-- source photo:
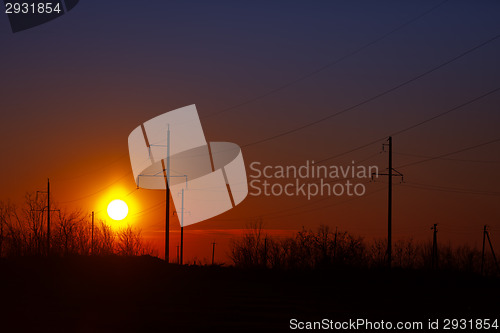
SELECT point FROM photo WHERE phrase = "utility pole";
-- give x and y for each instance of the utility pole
(166, 174)
(178, 261)
(167, 200)
(434, 247)
(389, 209)
(48, 213)
(167, 225)
(390, 174)
(482, 255)
(487, 234)
(92, 239)
(182, 227)
(48, 217)
(213, 252)
(182, 223)
(182, 245)
(492, 251)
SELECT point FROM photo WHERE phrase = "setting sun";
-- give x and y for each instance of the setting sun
(117, 210)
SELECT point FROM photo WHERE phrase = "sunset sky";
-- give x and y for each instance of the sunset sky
(262, 74)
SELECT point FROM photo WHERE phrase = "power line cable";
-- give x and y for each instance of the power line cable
(448, 154)
(451, 190)
(94, 170)
(448, 111)
(122, 197)
(98, 191)
(327, 66)
(375, 97)
(468, 102)
(357, 105)
(449, 159)
(329, 205)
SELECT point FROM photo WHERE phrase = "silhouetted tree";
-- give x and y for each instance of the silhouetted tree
(104, 239)
(67, 234)
(129, 242)
(306, 250)
(23, 232)
(6, 220)
(250, 251)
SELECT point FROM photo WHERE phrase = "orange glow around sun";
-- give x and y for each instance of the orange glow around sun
(117, 207)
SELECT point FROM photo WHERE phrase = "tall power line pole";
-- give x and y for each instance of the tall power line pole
(167, 200)
(434, 247)
(182, 245)
(182, 228)
(391, 173)
(178, 260)
(166, 174)
(48, 213)
(389, 209)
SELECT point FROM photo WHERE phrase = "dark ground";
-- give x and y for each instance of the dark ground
(116, 294)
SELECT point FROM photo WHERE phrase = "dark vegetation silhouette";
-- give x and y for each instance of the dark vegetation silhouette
(23, 232)
(327, 248)
(310, 276)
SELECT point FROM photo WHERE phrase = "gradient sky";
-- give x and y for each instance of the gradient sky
(73, 89)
